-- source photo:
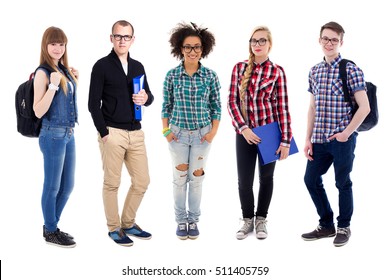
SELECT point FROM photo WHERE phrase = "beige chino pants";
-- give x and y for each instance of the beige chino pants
(126, 147)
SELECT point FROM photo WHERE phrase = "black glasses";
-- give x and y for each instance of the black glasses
(119, 37)
(325, 40)
(188, 48)
(261, 42)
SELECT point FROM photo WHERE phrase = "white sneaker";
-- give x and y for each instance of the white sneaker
(246, 228)
(261, 229)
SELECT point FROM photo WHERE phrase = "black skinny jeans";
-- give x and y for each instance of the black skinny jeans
(246, 163)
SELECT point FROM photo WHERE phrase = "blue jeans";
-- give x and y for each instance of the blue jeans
(189, 151)
(341, 154)
(57, 145)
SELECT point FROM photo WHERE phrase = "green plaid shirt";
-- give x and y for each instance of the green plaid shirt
(191, 102)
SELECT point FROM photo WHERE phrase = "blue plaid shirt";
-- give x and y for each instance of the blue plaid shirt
(191, 102)
(332, 113)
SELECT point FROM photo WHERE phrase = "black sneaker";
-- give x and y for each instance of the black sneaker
(342, 236)
(58, 239)
(319, 232)
(64, 233)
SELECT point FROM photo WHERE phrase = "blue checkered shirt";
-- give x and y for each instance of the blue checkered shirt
(332, 113)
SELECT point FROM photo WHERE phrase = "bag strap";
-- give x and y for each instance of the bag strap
(343, 76)
(44, 66)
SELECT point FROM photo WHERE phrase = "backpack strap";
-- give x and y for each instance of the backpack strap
(45, 68)
(343, 76)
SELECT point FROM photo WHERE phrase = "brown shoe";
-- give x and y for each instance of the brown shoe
(342, 236)
(318, 233)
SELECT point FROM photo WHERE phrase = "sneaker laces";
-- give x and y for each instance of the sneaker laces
(318, 228)
(342, 231)
(247, 225)
(260, 224)
(118, 233)
(192, 226)
(57, 238)
(122, 233)
(135, 229)
(182, 226)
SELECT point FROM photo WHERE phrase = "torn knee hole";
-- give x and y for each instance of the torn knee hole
(199, 172)
(182, 167)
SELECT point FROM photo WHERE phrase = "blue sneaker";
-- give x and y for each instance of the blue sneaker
(120, 238)
(136, 231)
(193, 231)
(181, 231)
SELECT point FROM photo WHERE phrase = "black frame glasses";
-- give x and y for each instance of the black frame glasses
(261, 42)
(119, 37)
(325, 40)
(188, 48)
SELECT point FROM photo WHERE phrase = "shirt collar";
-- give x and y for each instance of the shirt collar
(200, 70)
(334, 63)
(263, 63)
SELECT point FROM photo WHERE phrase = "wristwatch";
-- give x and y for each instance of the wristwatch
(52, 86)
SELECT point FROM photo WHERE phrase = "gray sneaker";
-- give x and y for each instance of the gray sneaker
(261, 228)
(342, 236)
(246, 228)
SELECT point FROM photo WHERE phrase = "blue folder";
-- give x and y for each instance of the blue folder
(270, 136)
(138, 84)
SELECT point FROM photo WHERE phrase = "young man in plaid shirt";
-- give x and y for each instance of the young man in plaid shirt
(331, 134)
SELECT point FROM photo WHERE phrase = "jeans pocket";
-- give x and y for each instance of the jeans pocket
(204, 130)
(175, 130)
(57, 133)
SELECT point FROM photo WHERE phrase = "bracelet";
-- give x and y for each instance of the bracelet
(165, 130)
(53, 87)
(167, 133)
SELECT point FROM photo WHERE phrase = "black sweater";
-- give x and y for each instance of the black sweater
(110, 93)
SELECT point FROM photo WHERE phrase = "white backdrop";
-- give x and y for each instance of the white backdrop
(295, 26)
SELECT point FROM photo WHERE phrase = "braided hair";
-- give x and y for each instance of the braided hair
(249, 68)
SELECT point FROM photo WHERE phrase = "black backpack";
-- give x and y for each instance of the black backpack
(372, 118)
(27, 123)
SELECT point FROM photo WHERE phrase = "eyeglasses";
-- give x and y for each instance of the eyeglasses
(261, 42)
(119, 37)
(188, 48)
(325, 40)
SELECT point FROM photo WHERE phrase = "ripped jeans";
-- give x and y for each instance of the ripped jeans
(189, 157)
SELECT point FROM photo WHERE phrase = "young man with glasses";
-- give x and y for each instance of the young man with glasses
(191, 112)
(331, 134)
(121, 140)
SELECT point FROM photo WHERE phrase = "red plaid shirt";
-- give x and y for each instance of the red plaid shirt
(266, 98)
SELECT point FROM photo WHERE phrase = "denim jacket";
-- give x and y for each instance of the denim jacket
(63, 109)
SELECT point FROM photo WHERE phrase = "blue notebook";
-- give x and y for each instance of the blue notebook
(138, 84)
(270, 136)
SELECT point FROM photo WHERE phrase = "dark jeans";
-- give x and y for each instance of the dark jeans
(341, 154)
(246, 164)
